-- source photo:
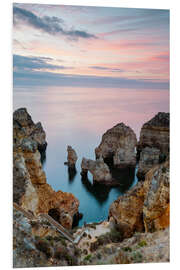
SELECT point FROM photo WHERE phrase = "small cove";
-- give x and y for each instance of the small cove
(79, 117)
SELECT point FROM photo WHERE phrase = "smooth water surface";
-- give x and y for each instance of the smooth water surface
(78, 117)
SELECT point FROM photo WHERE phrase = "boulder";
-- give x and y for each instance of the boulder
(97, 168)
(71, 158)
(118, 146)
(148, 158)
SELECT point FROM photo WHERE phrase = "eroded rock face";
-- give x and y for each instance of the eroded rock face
(98, 169)
(127, 211)
(154, 136)
(156, 204)
(118, 146)
(24, 127)
(155, 133)
(30, 189)
(146, 206)
(148, 158)
(72, 157)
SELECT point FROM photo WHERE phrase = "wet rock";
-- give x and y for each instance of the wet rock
(98, 169)
(118, 146)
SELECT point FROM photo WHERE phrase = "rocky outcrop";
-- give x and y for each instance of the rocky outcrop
(30, 188)
(24, 127)
(127, 211)
(156, 203)
(98, 169)
(155, 133)
(71, 158)
(154, 136)
(146, 206)
(148, 158)
(118, 146)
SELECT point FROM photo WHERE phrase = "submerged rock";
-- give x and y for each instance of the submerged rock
(71, 158)
(146, 206)
(118, 146)
(98, 169)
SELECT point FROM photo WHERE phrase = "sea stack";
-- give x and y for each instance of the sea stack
(97, 168)
(117, 146)
(71, 158)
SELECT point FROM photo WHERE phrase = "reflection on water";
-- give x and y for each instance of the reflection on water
(78, 117)
(71, 174)
(99, 192)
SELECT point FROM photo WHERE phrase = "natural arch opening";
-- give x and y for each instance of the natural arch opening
(54, 213)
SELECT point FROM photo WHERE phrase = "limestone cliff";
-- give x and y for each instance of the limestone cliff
(153, 145)
(30, 188)
(24, 127)
(146, 206)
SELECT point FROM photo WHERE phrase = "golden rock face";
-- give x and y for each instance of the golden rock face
(118, 143)
(146, 206)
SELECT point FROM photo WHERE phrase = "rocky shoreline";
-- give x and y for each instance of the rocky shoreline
(138, 218)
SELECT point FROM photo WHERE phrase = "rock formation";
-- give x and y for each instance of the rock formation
(23, 127)
(156, 203)
(118, 146)
(154, 134)
(30, 189)
(146, 206)
(127, 211)
(71, 158)
(148, 158)
(98, 169)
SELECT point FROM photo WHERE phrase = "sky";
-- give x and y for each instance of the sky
(90, 47)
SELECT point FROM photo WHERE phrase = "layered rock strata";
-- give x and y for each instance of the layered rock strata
(24, 127)
(146, 206)
(148, 158)
(118, 146)
(30, 189)
(154, 136)
(97, 168)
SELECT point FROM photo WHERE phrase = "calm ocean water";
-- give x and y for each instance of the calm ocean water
(78, 117)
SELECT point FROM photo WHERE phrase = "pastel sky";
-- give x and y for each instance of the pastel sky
(90, 46)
